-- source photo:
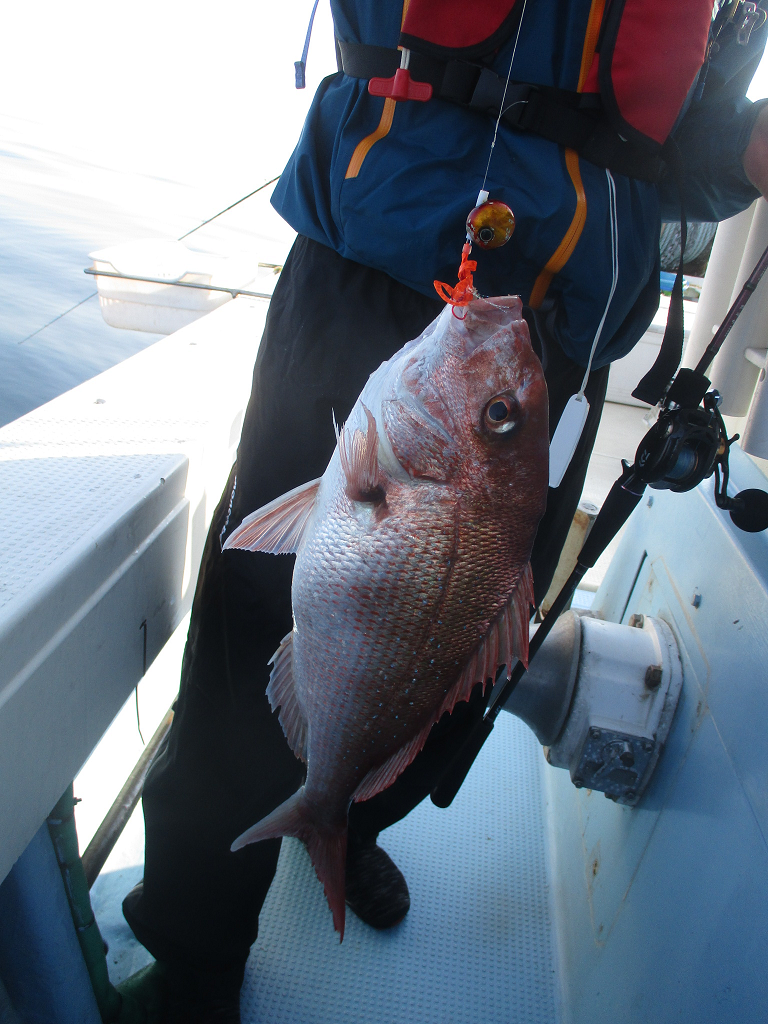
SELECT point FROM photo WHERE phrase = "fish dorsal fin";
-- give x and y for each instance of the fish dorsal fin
(277, 528)
(421, 445)
(505, 641)
(281, 693)
(359, 460)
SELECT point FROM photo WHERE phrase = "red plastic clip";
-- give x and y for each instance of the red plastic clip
(400, 87)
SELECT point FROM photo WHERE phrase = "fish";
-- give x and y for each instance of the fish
(412, 581)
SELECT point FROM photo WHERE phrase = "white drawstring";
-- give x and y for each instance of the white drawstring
(615, 268)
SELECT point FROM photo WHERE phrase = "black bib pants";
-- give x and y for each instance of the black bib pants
(226, 763)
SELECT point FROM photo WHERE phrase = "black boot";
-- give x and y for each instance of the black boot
(376, 889)
(187, 994)
(207, 995)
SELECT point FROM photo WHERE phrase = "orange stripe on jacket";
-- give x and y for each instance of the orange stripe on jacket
(562, 254)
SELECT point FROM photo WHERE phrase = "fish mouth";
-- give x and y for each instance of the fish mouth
(486, 318)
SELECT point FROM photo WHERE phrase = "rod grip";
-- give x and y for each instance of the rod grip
(452, 778)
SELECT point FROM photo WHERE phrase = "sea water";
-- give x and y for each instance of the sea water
(55, 208)
(127, 121)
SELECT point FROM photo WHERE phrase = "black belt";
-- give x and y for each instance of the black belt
(573, 120)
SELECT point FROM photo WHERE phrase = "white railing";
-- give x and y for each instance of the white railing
(105, 498)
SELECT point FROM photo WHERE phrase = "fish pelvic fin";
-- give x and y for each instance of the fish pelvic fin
(281, 693)
(278, 527)
(327, 846)
(505, 641)
(360, 461)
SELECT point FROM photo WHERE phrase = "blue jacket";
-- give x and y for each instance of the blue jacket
(404, 209)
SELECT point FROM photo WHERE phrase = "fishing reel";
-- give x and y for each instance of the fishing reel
(689, 443)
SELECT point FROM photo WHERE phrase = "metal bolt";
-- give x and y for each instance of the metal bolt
(578, 782)
(653, 676)
(594, 733)
(630, 794)
(648, 746)
(627, 757)
(637, 621)
(696, 599)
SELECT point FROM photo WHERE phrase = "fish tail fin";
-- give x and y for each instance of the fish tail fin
(289, 819)
(327, 847)
(328, 851)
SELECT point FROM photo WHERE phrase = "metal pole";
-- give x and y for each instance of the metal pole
(110, 829)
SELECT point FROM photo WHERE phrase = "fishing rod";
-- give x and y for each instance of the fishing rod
(687, 444)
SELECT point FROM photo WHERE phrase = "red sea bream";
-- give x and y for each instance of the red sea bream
(412, 580)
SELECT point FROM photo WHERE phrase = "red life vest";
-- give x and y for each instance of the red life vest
(649, 52)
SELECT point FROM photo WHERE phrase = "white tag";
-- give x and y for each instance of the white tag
(563, 444)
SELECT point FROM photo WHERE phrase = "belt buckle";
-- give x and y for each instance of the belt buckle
(490, 91)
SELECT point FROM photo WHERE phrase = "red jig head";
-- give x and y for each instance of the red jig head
(491, 224)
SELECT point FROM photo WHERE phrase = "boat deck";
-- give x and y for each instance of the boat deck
(477, 945)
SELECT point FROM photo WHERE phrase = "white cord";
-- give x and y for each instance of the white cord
(615, 267)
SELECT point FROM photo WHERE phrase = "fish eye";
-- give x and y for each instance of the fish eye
(502, 414)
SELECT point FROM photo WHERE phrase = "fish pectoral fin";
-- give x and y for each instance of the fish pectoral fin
(359, 460)
(277, 528)
(281, 693)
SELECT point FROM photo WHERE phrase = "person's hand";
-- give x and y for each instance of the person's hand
(755, 158)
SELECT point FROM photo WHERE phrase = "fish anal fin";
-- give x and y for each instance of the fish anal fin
(505, 641)
(382, 777)
(277, 528)
(281, 693)
(359, 460)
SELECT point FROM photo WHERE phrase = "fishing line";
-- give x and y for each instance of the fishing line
(66, 311)
(230, 207)
(502, 108)
(185, 235)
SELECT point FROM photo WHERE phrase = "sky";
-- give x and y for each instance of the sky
(193, 92)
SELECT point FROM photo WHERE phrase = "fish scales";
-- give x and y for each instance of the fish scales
(412, 578)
